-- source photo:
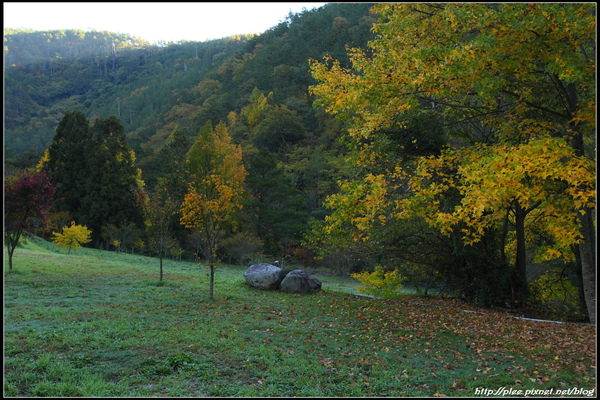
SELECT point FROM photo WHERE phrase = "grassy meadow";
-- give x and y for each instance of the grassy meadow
(97, 323)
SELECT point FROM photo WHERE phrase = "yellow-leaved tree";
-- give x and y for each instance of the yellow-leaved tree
(72, 237)
(514, 88)
(216, 190)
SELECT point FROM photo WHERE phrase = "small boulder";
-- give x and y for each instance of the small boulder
(264, 276)
(299, 281)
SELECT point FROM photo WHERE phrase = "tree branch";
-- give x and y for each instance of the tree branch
(541, 108)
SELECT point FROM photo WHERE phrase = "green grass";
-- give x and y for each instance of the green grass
(97, 323)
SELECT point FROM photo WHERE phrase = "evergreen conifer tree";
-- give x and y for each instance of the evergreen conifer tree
(67, 162)
(277, 209)
(95, 171)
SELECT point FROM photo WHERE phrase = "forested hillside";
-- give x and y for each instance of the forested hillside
(256, 84)
(152, 88)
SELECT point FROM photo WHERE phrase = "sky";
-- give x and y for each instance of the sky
(170, 22)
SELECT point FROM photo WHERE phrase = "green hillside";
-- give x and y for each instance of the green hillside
(152, 88)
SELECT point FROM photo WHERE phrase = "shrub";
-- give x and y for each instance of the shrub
(241, 246)
(379, 283)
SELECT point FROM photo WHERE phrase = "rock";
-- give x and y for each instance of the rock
(299, 281)
(264, 276)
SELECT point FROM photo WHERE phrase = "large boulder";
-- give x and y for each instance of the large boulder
(299, 281)
(264, 276)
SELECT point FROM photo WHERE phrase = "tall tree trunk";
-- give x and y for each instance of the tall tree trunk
(587, 247)
(503, 236)
(521, 259)
(11, 250)
(212, 257)
(587, 252)
(580, 291)
(160, 261)
(12, 241)
(212, 281)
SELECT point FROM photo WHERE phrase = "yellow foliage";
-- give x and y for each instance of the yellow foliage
(380, 283)
(544, 175)
(72, 237)
(511, 68)
(219, 185)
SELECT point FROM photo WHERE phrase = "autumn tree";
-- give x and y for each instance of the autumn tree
(72, 237)
(257, 109)
(217, 188)
(27, 198)
(516, 78)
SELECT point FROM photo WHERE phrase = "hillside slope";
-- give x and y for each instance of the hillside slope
(152, 88)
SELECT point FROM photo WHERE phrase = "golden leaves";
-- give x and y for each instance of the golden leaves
(72, 237)
(544, 175)
(220, 176)
(502, 66)
(379, 283)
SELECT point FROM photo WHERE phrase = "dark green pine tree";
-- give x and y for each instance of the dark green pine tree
(111, 198)
(277, 210)
(68, 164)
(278, 131)
(95, 171)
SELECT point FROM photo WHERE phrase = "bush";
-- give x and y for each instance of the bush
(241, 246)
(379, 283)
